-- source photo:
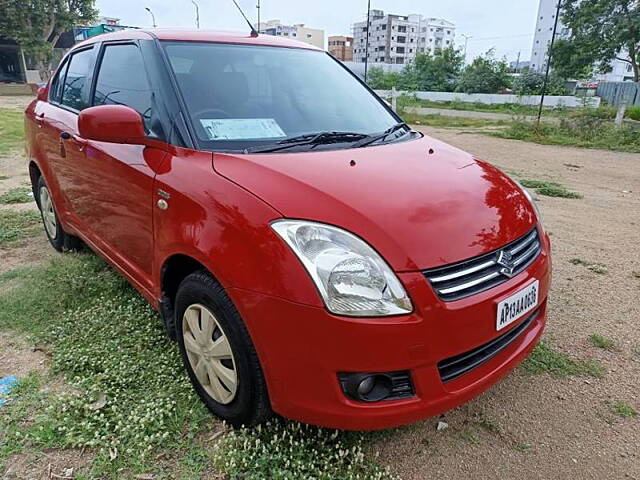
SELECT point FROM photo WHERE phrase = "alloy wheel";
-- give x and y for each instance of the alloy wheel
(209, 353)
(48, 213)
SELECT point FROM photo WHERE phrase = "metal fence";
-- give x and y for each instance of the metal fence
(617, 93)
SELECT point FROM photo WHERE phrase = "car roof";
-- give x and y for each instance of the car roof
(185, 35)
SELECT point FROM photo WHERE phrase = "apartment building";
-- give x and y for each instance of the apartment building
(398, 38)
(621, 71)
(341, 47)
(298, 31)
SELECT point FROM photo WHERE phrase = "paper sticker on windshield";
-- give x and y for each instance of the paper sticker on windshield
(241, 128)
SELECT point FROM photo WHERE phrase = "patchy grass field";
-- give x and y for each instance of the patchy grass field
(11, 129)
(584, 129)
(107, 397)
(130, 399)
(17, 195)
(17, 226)
(580, 132)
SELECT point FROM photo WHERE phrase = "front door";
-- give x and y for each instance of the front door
(118, 187)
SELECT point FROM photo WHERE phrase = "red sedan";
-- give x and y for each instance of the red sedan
(311, 254)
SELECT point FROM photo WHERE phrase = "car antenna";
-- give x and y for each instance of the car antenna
(254, 32)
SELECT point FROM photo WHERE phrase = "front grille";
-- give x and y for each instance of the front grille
(453, 367)
(463, 279)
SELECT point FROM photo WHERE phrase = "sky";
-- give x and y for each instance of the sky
(506, 25)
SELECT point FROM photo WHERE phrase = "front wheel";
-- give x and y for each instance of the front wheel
(218, 353)
(59, 239)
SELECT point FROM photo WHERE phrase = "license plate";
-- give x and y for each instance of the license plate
(517, 305)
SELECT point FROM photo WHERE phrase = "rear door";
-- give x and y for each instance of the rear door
(118, 185)
(58, 122)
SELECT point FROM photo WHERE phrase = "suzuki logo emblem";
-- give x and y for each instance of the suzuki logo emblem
(505, 260)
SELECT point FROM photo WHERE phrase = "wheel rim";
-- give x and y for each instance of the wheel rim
(48, 214)
(209, 353)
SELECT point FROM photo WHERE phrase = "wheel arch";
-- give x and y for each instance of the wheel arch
(175, 268)
(34, 176)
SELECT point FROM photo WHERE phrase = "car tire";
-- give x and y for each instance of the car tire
(59, 239)
(204, 314)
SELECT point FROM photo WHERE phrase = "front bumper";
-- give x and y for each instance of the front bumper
(302, 349)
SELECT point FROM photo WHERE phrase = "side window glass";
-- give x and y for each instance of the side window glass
(122, 81)
(56, 87)
(74, 82)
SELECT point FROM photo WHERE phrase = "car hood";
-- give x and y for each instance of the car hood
(420, 203)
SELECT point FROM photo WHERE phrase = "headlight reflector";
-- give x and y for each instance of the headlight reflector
(351, 277)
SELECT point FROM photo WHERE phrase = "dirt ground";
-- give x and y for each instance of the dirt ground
(526, 427)
(538, 427)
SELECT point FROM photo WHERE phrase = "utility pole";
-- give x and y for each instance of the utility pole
(366, 57)
(517, 63)
(153, 17)
(258, 8)
(466, 41)
(549, 55)
(197, 13)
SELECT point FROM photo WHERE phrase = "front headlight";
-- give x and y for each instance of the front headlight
(352, 278)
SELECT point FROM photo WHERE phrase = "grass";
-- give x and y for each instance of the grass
(4, 177)
(506, 108)
(550, 189)
(623, 410)
(599, 268)
(633, 112)
(11, 129)
(600, 342)
(445, 121)
(546, 360)
(584, 132)
(16, 226)
(17, 195)
(470, 436)
(605, 112)
(282, 450)
(111, 346)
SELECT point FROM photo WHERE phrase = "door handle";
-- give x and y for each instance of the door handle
(81, 143)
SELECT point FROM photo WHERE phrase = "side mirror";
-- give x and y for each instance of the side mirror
(111, 123)
(43, 93)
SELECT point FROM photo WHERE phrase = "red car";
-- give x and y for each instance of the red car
(312, 254)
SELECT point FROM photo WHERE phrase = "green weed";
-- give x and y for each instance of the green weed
(17, 195)
(546, 360)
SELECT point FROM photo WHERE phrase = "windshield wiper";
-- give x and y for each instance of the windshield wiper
(321, 138)
(376, 138)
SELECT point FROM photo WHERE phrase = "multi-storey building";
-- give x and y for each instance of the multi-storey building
(312, 36)
(621, 71)
(398, 38)
(341, 47)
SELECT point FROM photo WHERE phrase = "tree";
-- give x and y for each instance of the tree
(36, 25)
(600, 31)
(436, 71)
(485, 75)
(531, 82)
(378, 79)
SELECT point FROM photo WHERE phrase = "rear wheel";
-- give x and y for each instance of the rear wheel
(58, 238)
(218, 353)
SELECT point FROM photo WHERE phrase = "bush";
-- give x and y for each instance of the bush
(531, 83)
(633, 113)
(586, 131)
(485, 75)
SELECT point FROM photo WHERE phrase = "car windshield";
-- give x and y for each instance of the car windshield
(245, 96)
